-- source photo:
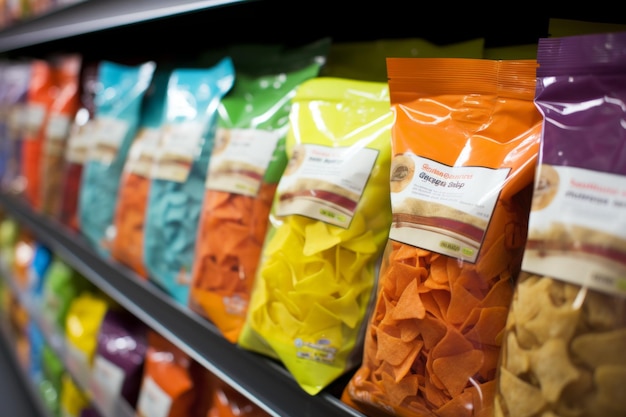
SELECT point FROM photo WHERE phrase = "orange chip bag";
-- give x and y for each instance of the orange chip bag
(128, 243)
(66, 75)
(167, 386)
(465, 141)
(41, 95)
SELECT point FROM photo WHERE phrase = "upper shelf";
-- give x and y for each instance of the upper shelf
(89, 16)
(185, 29)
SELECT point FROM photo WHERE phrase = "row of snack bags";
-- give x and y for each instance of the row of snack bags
(502, 288)
(89, 357)
(271, 199)
(132, 174)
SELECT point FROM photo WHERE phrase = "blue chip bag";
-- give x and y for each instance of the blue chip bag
(179, 173)
(118, 103)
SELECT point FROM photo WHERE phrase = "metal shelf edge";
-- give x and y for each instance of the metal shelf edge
(89, 16)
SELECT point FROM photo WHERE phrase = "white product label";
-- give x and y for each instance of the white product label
(106, 385)
(240, 158)
(180, 147)
(79, 142)
(142, 152)
(153, 401)
(108, 135)
(441, 208)
(34, 119)
(58, 127)
(325, 183)
(17, 120)
(577, 228)
(78, 364)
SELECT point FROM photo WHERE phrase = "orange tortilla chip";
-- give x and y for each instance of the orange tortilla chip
(432, 331)
(489, 326)
(409, 305)
(456, 371)
(392, 348)
(439, 270)
(403, 369)
(402, 275)
(459, 406)
(399, 390)
(461, 304)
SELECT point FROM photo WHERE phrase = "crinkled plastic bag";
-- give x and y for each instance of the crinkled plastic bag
(246, 164)
(130, 210)
(563, 349)
(329, 225)
(118, 103)
(464, 141)
(179, 172)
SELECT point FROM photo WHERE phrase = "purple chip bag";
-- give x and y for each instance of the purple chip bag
(118, 362)
(563, 349)
(581, 92)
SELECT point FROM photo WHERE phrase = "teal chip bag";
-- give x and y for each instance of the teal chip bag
(118, 102)
(179, 172)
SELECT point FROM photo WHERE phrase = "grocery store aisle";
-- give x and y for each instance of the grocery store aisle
(15, 397)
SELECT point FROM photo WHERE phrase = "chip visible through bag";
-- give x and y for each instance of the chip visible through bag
(464, 143)
(565, 334)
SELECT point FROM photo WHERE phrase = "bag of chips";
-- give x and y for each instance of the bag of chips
(130, 211)
(73, 398)
(52, 370)
(76, 148)
(464, 143)
(167, 386)
(247, 161)
(328, 227)
(66, 79)
(179, 172)
(9, 235)
(16, 77)
(118, 104)
(61, 284)
(563, 348)
(40, 96)
(118, 363)
(82, 324)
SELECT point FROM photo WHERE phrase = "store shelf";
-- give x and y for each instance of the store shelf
(260, 379)
(90, 16)
(183, 30)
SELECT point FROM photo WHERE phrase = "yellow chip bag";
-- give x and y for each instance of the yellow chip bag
(329, 223)
(82, 325)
